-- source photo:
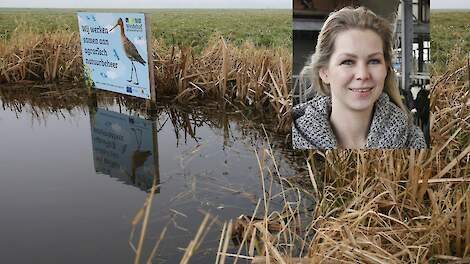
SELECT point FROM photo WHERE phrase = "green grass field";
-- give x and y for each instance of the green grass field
(449, 31)
(267, 28)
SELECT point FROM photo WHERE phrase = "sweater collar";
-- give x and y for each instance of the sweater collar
(387, 130)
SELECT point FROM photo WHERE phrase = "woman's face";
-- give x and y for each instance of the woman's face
(356, 71)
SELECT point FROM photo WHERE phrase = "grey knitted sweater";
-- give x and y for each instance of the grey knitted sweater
(389, 129)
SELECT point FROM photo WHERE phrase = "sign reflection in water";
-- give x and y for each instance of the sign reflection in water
(125, 147)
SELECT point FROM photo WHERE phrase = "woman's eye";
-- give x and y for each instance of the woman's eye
(375, 61)
(347, 62)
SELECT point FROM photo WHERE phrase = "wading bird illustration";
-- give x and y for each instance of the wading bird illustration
(130, 50)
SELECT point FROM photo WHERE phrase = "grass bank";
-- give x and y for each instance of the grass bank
(248, 76)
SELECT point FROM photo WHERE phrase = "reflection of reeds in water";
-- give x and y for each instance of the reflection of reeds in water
(57, 98)
(382, 206)
(246, 75)
(41, 101)
(186, 120)
(142, 218)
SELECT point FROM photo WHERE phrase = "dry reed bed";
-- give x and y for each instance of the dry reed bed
(244, 75)
(378, 206)
(29, 56)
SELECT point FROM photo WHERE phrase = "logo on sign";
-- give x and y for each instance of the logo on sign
(133, 24)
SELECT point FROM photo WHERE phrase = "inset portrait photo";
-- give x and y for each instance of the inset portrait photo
(361, 78)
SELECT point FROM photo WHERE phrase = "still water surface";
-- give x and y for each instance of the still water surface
(72, 182)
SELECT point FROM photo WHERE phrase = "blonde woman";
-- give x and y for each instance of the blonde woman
(358, 104)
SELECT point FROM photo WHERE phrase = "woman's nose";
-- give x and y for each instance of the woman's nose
(362, 72)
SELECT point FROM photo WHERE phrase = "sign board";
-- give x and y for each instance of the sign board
(115, 51)
(125, 147)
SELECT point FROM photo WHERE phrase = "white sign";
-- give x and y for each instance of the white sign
(115, 52)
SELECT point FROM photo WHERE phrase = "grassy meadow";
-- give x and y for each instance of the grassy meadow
(267, 28)
(449, 32)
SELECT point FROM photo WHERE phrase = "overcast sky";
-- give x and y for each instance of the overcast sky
(450, 4)
(287, 4)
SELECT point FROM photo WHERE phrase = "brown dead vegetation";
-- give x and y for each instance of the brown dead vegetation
(246, 75)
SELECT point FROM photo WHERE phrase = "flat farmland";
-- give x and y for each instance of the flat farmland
(449, 35)
(266, 28)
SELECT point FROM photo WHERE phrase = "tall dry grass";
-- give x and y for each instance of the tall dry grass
(246, 75)
(40, 57)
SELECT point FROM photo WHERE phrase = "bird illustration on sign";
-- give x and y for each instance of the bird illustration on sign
(130, 50)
